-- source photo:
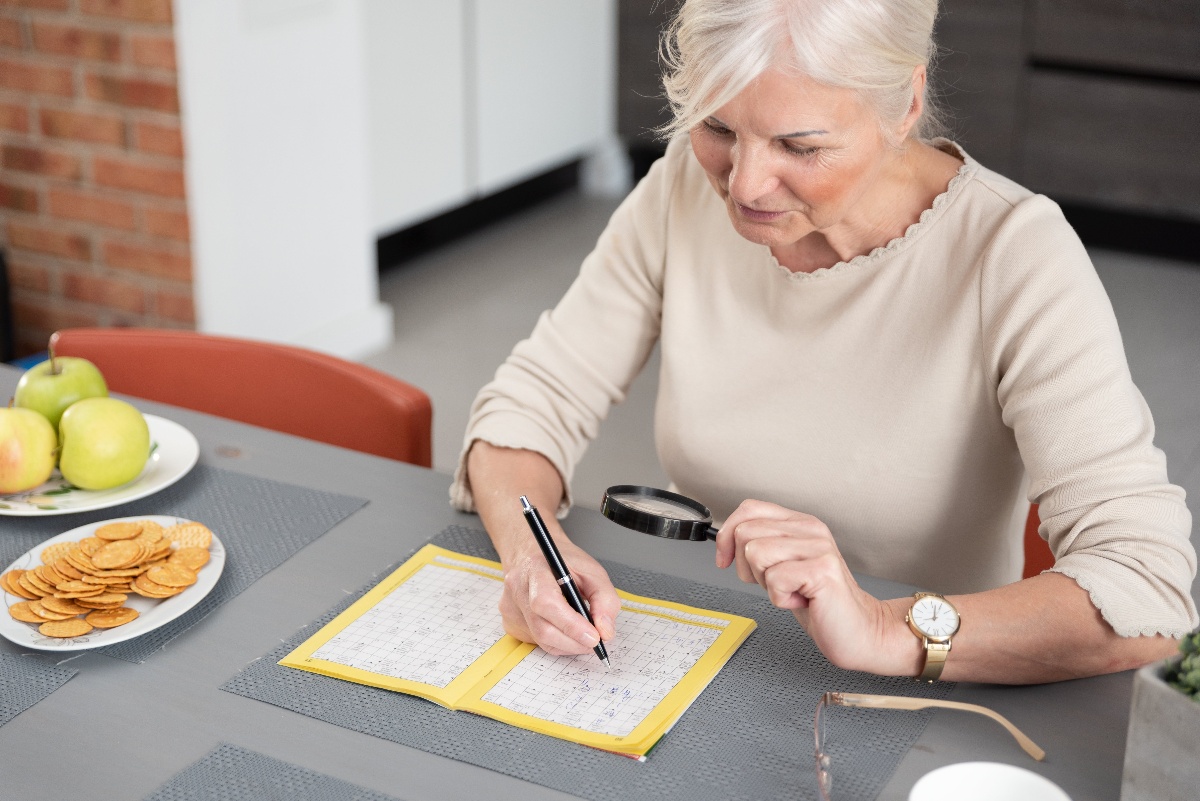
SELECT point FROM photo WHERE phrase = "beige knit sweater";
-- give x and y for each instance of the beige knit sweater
(915, 399)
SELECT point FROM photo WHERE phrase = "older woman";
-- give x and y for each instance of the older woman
(894, 347)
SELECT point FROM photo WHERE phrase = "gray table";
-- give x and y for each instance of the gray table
(119, 730)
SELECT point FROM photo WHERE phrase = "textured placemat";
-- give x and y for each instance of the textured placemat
(25, 680)
(230, 773)
(748, 736)
(260, 522)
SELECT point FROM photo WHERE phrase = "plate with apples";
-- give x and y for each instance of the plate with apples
(66, 447)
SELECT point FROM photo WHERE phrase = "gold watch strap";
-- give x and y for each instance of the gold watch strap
(935, 660)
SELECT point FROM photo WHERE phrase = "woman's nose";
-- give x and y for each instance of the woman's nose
(751, 174)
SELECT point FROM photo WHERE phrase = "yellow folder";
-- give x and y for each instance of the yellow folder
(432, 629)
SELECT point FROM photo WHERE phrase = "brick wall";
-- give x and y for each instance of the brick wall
(93, 220)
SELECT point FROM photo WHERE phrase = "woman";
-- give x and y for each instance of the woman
(895, 347)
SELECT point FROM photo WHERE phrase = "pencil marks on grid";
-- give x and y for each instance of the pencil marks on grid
(650, 655)
(429, 629)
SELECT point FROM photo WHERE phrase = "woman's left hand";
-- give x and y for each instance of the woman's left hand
(792, 555)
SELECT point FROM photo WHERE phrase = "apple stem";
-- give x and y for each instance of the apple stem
(53, 361)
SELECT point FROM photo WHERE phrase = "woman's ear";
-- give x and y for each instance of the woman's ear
(917, 106)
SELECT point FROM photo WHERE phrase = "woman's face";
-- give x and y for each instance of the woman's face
(790, 156)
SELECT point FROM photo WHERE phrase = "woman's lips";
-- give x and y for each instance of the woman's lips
(754, 215)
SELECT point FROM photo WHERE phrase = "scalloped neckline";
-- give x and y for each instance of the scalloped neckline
(913, 232)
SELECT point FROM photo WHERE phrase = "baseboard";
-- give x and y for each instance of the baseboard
(1135, 232)
(416, 240)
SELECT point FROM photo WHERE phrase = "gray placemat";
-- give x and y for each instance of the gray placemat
(26, 679)
(231, 773)
(748, 736)
(260, 522)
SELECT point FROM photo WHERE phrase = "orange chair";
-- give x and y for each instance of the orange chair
(279, 387)
(1038, 556)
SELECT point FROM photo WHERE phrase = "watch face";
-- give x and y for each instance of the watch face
(934, 617)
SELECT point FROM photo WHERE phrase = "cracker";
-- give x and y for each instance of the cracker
(9, 583)
(170, 575)
(21, 611)
(54, 552)
(117, 554)
(194, 558)
(111, 618)
(124, 530)
(63, 606)
(46, 614)
(75, 627)
(189, 535)
(67, 570)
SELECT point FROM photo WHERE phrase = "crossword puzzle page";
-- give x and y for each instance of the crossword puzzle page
(433, 629)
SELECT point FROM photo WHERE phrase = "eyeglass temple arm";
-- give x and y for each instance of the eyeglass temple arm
(901, 702)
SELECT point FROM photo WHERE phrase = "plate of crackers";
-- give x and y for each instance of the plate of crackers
(174, 451)
(108, 582)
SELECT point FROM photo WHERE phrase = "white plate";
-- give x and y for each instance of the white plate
(151, 613)
(173, 452)
(985, 781)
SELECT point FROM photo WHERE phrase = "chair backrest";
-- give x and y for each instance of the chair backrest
(280, 387)
(1038, 556)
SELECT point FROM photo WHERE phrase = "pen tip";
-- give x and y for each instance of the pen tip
(607, 663)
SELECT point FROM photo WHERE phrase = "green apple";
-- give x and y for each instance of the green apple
(53, 385)
(104, 442)
(27, 444)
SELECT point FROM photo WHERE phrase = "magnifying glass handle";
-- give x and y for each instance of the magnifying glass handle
(712, 532)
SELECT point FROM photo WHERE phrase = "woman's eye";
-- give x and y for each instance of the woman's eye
(719, 130)
(797, 150)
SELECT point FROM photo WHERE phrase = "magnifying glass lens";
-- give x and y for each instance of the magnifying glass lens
(661, 507)
(658, 512)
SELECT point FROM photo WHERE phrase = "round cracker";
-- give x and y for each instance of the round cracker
(89, 545)
(31, 588)
(47, 614)
(191, 535)
(144, 587)
(172, 575)
(111, 618)
(75, 627)
(151, 531)
(9, 582)
(21, 611)
(58, 550)
(67, 569)
(117, 554)
(64, 606)
(193, 558)
(123, 530)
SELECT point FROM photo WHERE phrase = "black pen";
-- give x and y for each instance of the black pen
(559, 568)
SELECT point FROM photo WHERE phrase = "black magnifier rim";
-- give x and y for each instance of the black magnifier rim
(656, 525)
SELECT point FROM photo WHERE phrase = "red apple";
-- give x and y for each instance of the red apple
(27, 450)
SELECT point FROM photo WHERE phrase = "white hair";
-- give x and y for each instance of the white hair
(715, 48)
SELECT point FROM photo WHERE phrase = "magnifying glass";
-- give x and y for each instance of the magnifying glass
(658, 512)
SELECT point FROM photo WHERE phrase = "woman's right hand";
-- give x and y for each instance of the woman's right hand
(533, 606)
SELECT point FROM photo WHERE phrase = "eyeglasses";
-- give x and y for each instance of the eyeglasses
(825, 778)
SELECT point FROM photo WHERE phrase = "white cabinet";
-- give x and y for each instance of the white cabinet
(467, 97)
(416, 108)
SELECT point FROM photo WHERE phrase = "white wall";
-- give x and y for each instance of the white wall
(275, 131)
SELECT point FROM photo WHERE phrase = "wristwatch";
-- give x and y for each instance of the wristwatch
(934, 620)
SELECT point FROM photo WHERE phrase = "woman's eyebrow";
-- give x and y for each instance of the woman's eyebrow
(801, 134)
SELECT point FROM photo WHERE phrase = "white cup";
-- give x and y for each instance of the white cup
(985, 781)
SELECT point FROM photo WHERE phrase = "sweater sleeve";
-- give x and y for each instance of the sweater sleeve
(1115, 523)
(557, 386)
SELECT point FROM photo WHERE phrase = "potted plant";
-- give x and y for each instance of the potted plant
(1162, 751)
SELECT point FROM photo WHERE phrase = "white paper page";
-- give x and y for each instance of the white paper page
(429, 629)
(654, 648)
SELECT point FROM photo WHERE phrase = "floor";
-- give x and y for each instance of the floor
(460, 309)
